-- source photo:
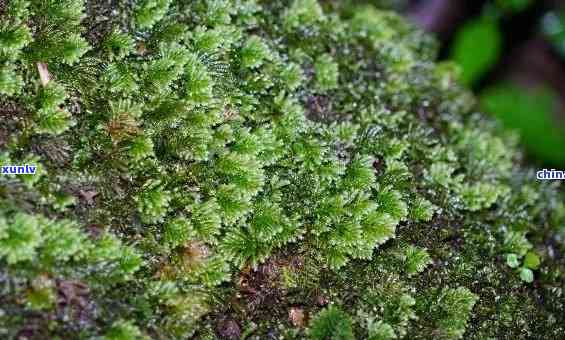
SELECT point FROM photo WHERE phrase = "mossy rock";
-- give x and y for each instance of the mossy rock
(259, 169)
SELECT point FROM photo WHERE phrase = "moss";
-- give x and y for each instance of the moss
(262, 169)
(327, 72)
(20, 237)
(331, 323)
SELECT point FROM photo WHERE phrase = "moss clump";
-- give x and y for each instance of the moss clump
(259, 169)
(332, 323)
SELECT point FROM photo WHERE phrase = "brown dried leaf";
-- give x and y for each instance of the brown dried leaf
(229, 329)
(44, 75)
(88, 196)
(296, 316)
(322, 300)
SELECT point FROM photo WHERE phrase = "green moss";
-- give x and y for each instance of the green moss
(455, 305)
(10, 82)
(20, 238)
(231, 168)
(253, 53)
(327, 72)
(416, 260)
(123, 330)
(150, 12)
(303, 14)
(332, 323)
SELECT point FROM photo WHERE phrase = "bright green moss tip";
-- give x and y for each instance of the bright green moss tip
(218, 169)
(332, 323)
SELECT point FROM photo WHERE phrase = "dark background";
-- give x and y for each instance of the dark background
(512, 54)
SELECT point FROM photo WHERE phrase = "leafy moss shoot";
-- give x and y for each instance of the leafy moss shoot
(252, 169)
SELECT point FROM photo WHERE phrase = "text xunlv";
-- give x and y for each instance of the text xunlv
(25, 169)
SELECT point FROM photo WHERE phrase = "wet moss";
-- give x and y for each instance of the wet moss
(260, 169)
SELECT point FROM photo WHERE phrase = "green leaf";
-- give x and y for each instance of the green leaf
(477, 47)
(527, 275)
(512, 260)
(531, 260)
(530, 113)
